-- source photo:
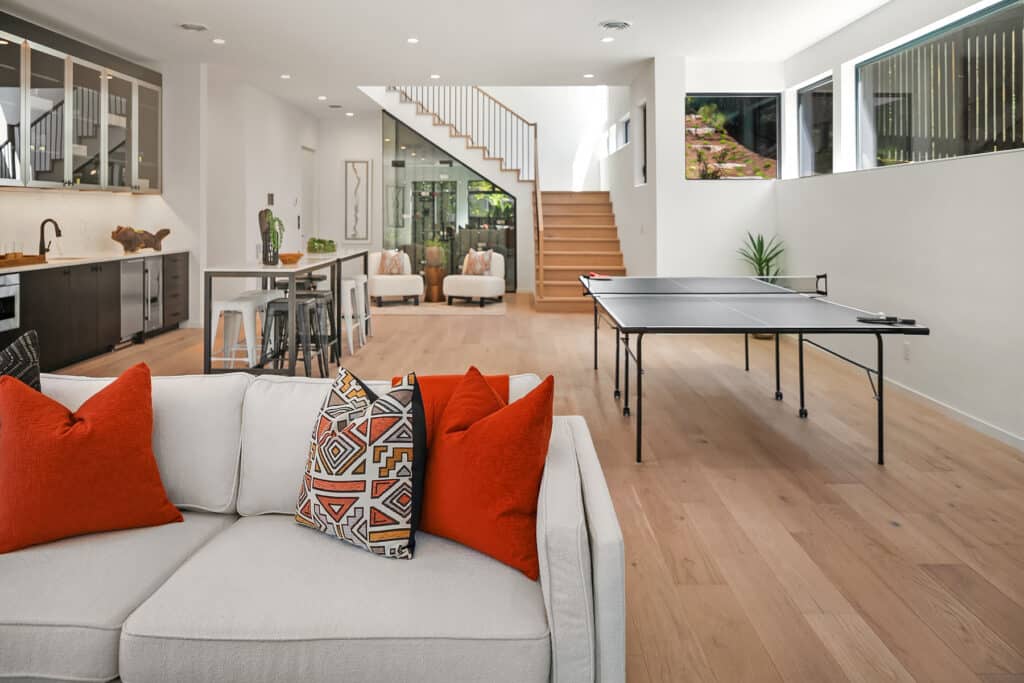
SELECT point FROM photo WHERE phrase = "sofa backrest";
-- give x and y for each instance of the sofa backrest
(277, 422)
(197, 427)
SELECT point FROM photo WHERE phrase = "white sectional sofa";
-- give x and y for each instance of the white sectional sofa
(239, 592)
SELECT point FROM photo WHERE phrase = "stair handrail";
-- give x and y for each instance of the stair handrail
(489, 124)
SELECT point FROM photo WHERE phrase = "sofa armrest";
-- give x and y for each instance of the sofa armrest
(608, 558)
(584, 600)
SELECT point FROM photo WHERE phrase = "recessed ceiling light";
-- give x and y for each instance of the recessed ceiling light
(608, 39)
(616, 25)
(588, 75)
(348, 113)
(322, 98)
(403, 147)
(286, 76)
(413, 154)
(387, 139)
(434, 77)
(218, 41)
(412, 41)
(198, 28)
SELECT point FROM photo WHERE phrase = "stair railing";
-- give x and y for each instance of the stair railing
(489, 125)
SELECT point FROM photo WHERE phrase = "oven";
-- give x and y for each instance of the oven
(10, 302)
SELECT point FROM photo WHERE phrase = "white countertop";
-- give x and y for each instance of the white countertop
(308, 261)
(71, 261)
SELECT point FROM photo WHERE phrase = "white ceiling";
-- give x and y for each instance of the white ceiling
(331, 46)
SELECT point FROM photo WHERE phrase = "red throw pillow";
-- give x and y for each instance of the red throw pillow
(64, 474)
(484, 472)
(436, 390)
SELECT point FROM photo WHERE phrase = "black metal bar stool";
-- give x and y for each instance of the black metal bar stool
(309, 325)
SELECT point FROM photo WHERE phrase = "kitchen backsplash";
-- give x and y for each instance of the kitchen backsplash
(86, 220)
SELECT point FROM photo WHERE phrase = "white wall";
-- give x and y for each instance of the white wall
(938, 241)
(571, 122)
(349, 139)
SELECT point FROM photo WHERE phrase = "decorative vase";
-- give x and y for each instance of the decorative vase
(270, 254)
(434, 255)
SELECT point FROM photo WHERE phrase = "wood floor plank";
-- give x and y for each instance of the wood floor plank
(753, 536)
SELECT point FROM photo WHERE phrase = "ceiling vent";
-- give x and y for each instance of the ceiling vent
(616, 25)
(334, 106)
(198, 28)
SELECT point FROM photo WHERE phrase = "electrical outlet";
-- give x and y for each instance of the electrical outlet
(270, 199)
(906, 350)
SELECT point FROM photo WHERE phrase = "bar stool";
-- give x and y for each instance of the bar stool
(309, 325)
(327, 333)
(363, 302)
(239, 311)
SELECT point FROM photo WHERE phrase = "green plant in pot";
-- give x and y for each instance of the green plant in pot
(271, 234)
(764, 256)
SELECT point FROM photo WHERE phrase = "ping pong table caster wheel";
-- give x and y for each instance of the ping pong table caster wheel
(625, 412)
(618, 394)
(778, 395)
(803, 413)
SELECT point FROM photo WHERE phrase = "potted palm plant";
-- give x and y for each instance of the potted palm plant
(764, 257)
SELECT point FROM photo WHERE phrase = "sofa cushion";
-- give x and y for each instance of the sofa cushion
(259, 603)
(62, 605)
(278, 418)
(197, 425)
(474, 286)
(363, 482)
(396, 285)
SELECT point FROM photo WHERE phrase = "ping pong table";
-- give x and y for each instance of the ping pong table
(639, 306)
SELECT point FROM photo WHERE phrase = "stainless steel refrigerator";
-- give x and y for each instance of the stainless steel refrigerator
(142, 308)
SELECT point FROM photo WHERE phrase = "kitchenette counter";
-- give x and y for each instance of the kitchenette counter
(71, 261)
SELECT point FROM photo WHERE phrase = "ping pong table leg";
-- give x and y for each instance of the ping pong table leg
(639, 396)
(746, 352)
(595, 332)
(625, 359)
(778, 371)
(618, 351)
(881, 402)
(800, 343)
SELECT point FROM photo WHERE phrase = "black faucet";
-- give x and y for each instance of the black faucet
(44, 246)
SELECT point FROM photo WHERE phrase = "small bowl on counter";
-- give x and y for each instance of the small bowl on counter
(290, 258)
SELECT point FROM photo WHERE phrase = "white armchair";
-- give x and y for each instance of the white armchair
(407, 285)
(486, 288)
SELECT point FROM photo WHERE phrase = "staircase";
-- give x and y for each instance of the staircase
(573, 232)
(579, 236)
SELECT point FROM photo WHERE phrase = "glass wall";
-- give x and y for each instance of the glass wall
(732, 136)
(956, 92)
(816, 113)
(436, 209)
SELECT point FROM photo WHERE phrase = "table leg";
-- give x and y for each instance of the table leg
(625, 359)
(293, 351)
(366, 294)
(881, 401)
(803, 406)
(595, 333)
(746, 352)
(618, 351)
(639, 396)
(207, 322)
(778, 371)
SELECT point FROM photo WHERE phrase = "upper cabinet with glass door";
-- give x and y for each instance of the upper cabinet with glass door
(46, 89)
(10, 110)
(68, 122)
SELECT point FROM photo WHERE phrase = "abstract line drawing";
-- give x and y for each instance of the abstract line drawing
(357, 201)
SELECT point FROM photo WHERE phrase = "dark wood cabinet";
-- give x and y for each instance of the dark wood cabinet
(175, 294)
(76, 311)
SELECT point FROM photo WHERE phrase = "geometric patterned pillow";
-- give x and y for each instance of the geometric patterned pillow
(20, 360)
(364, 476)
(478, 262)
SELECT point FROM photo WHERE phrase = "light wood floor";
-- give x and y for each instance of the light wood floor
(759, 546)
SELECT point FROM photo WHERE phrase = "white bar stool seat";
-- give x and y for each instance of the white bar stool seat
(242, 310)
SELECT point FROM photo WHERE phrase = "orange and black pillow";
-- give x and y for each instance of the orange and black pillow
(364, 476)
(20, 360)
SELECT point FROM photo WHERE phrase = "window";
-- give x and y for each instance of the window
(815, 112)
(955, 92)
(732, 136)
(641, 175)
(625, 131)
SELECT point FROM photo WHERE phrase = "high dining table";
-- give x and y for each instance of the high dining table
(268, 276)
